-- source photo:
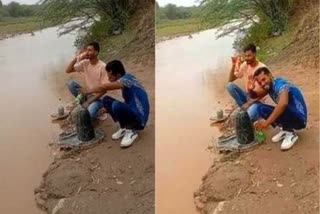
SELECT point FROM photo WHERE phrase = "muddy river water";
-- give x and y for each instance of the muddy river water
(184, 101)
(26, 100)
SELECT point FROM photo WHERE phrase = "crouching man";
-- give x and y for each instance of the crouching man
(133, 113)
(290, 112)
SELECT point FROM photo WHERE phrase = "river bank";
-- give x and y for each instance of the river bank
(267, 180)
(170, 29)
(10, 27)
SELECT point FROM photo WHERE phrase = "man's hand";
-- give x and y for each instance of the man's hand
(234, 60)
(261, 124)
(83, 91)
(251, 83)
(83, 56)
(245, 106)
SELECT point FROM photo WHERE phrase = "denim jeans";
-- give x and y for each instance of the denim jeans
(94, 107)
(122, 113)
(288, 120)
(241, 97)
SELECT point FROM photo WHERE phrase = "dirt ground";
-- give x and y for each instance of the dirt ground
(266, 179)
(106, 178)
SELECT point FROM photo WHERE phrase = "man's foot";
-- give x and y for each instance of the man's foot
(280, 136)
(289, 140)
(128, 138)
(118, 134)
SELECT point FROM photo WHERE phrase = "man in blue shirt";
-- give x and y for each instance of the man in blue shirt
(290, 112)
(133, 113)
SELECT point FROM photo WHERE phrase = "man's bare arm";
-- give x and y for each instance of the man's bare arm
(70, 67)
(106, 87)
(232, 77)
(280, 107)
(92, 99)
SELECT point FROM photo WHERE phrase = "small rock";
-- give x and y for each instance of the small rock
(237, 162)
(293, 184)
(198, 203)
(109, 147)
(269, 149)
(119, 182)
(279, 184)
(59, 206)
(78, 159)
(132, 182)
(114, 176)
(39, 200)
(129, 167)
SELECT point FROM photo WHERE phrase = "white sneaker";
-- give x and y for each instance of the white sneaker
(118, 134)
(128, 138)
(289, 140)
(280, 136)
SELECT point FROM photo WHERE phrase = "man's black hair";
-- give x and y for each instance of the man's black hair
(95, 45)
(250, 47)
(265, 70)
(115, 67)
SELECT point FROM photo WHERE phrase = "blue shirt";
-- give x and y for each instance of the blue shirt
(135, 96)
(296, 103)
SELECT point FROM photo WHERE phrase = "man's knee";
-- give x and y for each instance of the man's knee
(73, 86)
(254, 111)
(71, 83)
(107, 101)
(230, 86)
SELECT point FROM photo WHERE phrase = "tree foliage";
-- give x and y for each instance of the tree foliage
(80, 14)
(232, 15)
(14, 9)
(173, 12)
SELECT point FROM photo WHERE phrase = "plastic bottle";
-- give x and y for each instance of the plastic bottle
(79, 98)
(260, 136)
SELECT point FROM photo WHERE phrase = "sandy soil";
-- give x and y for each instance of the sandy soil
(106, 178)
(267, 180)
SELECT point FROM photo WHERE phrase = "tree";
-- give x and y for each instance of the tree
(233, 15)
(171, 11)
(14, 9)
(1, 5)
(79, 14)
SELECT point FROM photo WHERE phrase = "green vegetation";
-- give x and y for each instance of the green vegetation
(105, 21)
(17, 18)
(272, 46)
(94, 19)
(259, 19)
(178, 27)
(14, 10)
(172, 20)
(19, 25)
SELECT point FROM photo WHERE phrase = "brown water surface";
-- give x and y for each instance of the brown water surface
(26, 100)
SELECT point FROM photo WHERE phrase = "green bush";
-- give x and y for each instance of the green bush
(98, 31)
(257, 33)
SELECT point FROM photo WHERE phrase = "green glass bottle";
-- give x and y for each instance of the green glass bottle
(260, 136)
